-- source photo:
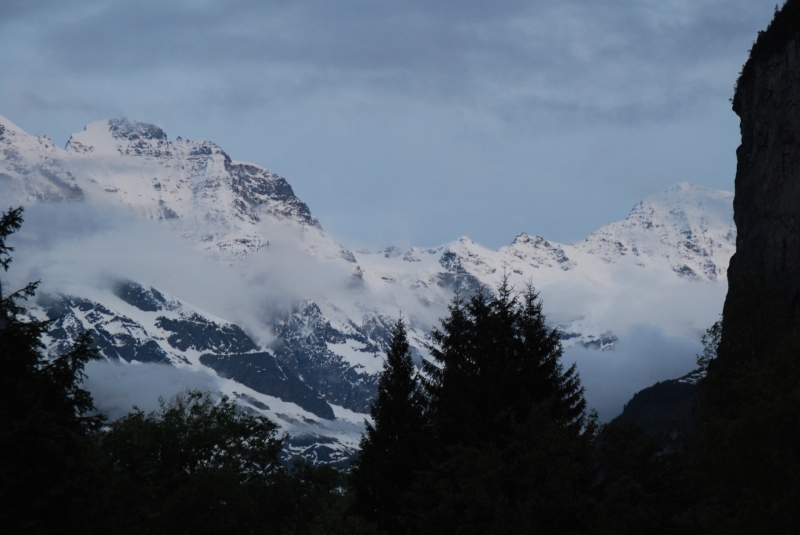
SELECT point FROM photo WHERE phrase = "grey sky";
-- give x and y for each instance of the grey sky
(408, 121)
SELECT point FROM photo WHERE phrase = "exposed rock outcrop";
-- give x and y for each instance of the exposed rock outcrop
(767, 200)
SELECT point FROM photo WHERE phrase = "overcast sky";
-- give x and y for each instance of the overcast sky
(408, 121)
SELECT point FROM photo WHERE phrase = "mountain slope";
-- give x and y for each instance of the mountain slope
(688, 225)
(217, 201)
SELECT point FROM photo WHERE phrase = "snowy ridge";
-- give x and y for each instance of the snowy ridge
(211, 199)
(30, 170)
(142, 325)
(686, 233)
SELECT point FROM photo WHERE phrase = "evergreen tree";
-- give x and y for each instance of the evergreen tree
(513, 450)
(391, 447)
(47, 466)
(537, 371)
(494, 359)
(192, 467)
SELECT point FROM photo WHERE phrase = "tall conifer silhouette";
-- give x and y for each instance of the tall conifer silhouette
(511, 446)
(46, 470)
(495, 358)
(391, 446)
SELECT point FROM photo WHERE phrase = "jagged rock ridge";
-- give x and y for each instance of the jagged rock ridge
(215, 201)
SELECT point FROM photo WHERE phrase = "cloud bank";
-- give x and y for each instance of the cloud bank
(117, 388)
(82, 249)
(622, 60)
(643, 357)
(408, 120)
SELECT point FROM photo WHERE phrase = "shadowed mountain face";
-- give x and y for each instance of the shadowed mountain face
(174, 335)
(261, 372)
(665, 406)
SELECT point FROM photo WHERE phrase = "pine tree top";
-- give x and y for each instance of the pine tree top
(495, 359)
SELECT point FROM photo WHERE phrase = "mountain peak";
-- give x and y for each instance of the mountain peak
(133, 130)
(464, 240)
(10, 133)
(523, 238)
(120, 136)
(7, 125)
(216, 202)
(691, 225)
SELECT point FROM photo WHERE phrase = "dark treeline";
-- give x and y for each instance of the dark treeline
(493, 436)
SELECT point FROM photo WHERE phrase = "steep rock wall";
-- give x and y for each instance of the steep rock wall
(767, 201)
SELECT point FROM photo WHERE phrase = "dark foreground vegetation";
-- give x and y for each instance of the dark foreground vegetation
(193, 466)
(494, 437)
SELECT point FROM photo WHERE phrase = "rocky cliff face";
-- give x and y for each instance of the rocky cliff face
(767, 200)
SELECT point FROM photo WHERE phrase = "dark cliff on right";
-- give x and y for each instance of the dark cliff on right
(764, 273)
(747, 418)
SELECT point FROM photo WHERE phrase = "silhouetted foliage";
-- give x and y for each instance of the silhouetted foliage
(10, 222)
(494, 360)
(494, 439)
(392, 447)
(47, 466)
(512, 448)
(194, 466)
(535, 478)
(710, 343)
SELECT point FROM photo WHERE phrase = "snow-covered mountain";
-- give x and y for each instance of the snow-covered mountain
(689, 226)
(213, 200)
(305, 342)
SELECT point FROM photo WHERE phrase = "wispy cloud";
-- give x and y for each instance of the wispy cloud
(644, 356)
(622, 60)
(398, 110)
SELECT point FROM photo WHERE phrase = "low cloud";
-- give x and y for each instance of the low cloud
(643, 357)
(116, 388)
(82, 249)
(658, 318)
